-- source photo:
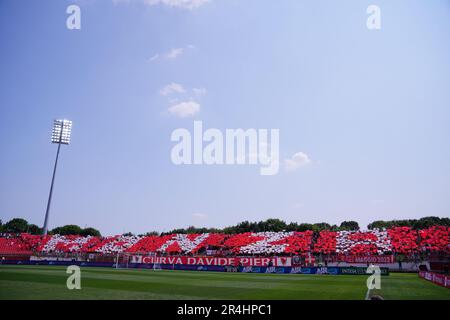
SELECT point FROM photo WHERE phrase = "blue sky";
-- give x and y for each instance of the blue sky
(370, 110)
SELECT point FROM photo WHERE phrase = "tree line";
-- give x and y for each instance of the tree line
(280, 225)
(275, 225)
(19, 225)
(415, 224)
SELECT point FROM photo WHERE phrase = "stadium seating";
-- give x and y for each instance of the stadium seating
(149, 244)
(403, 240)
(214, 241)
(183, 243)
(374, 242)
(66, 244)
(13, 246)
(268, 243)
(116, 244)
(24, 243)
(326, 243)
(397, 240)
(363, 243)
(236, 242)
(434, 239)
(296, 243)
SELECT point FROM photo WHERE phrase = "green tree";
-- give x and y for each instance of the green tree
(16, 225)
(69, 229)
(293, 226)
(302, 227)
(427, 222)
(379, 224)
(242, 227)
(90, 232)
(349, 225)
(152, 233)
(273, 225)
(317, 227)
(334, 228)
(421, 223)
(34, 229)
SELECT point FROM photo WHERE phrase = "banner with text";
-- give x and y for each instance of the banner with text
(437, 278)
(216, 261)
(362, 259)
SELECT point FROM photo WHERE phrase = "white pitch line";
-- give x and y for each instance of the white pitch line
(367, 294)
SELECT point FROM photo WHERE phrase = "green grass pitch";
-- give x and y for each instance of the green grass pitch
(49, 282)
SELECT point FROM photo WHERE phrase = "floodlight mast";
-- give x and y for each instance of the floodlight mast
(60, 135)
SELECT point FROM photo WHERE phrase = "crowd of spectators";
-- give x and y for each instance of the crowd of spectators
(396, 240)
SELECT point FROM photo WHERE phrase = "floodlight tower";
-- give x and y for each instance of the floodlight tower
(60, 135)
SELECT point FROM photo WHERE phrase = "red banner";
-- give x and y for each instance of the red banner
(216, 261)
(437, 278)
(363, 259)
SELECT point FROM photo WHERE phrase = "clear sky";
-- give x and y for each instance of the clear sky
(368, 109)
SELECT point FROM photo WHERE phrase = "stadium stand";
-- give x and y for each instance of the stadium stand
(23, 243)
(149, 244)
(326, 243)
(403, 240)
(362, 243)
(434, 239)
(397, 240)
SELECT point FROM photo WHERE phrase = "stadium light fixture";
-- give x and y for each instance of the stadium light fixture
(61, 132)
